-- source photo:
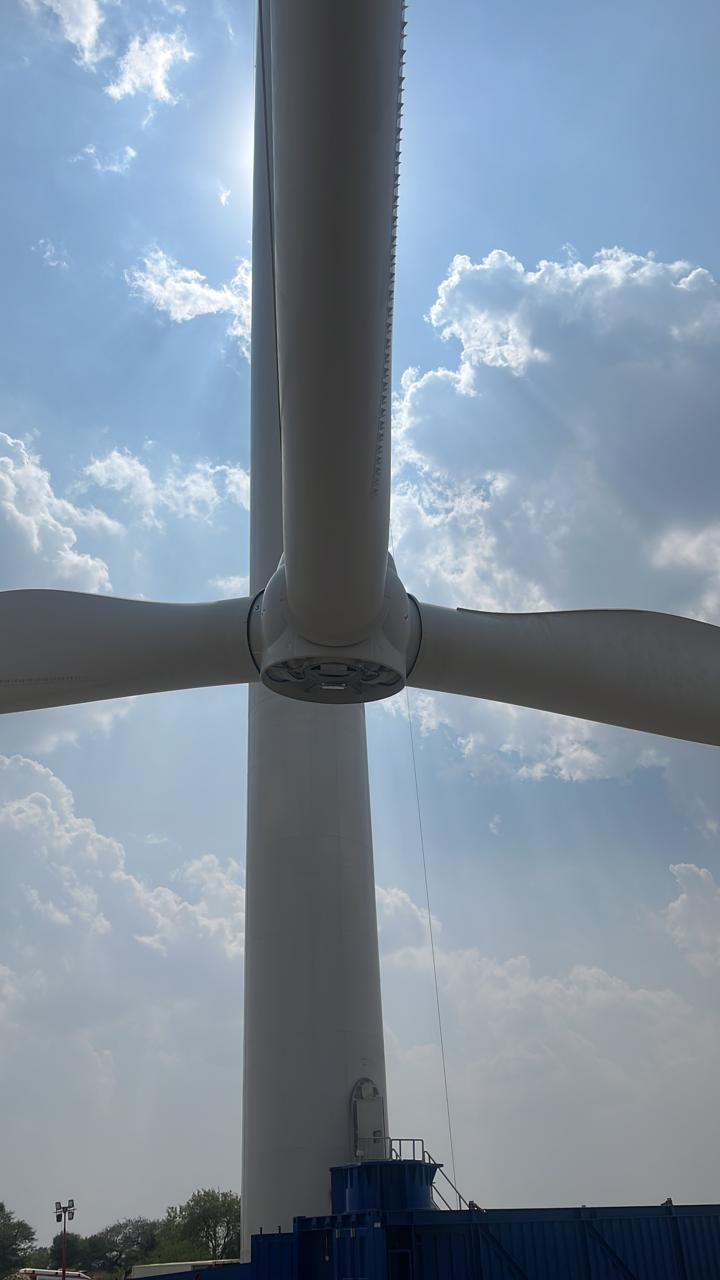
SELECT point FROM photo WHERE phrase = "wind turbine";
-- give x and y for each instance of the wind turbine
(328, 625)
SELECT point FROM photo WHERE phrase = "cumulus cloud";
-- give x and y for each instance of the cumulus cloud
(224, 196)
(445, 529)
(565, 457)
(132, 981)
(79, 22)
(495, 333)
(183, 294)
(569, 1062)
(118, 163)
(508, 317)
(581, 444)
(693, 918)
(39, 530)
(193, 494)
(146, 65)
(70, 874)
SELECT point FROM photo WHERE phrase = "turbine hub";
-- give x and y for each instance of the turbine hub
(295, 666)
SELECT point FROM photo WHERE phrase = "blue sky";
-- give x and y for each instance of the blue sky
(556, 445)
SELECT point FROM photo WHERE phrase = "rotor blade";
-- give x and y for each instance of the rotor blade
(265, 444)
(649, 671)
(60, 647)
(336, 76)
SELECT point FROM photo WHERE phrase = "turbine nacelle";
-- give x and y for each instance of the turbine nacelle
(365, 669)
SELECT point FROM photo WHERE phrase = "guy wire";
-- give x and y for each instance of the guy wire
(429, 916)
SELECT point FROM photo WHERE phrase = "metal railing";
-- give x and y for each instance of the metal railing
(415, 1149)
(405, 1149)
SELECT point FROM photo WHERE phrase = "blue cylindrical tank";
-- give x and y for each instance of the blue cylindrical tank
(377, 1185)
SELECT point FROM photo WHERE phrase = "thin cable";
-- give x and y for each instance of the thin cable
(432, 939)
(429, 915)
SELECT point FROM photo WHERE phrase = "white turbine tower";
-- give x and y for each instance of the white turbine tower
(329, 625)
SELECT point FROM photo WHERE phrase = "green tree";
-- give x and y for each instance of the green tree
(38, 1257)
(16, 1241)
(172, 1244)
(93, 1255)
(121, 1245)
(214, 1218)
(75, 1251)
(114, 1249)
(206, 1226)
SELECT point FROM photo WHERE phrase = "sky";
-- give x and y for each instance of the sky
(556, 445)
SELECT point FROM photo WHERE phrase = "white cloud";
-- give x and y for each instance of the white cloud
(80, 22)
(401, 922)
(576, 440)
(123, 472)
(39, 530)
(698, 552)
(530, 746)
(446, 532)
(224, 196)
(580, 1061)
(52, 255)
(68, 873)
(194, 494)
(146, 65)
(132, 981)
(237, 484)
(493, 333)
(183, 294)
(234, 585)
(693, 919)
(118, 163)
(507, 316)
(566, 459)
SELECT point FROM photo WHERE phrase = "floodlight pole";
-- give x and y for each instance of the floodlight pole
(62, 1212)
(313, 1035)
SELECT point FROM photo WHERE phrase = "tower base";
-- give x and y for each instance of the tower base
(384, 1226)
